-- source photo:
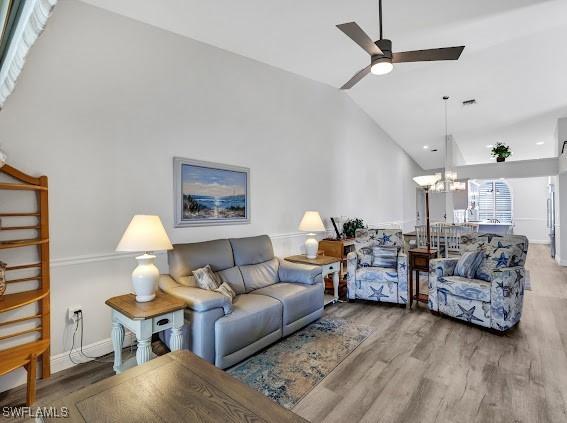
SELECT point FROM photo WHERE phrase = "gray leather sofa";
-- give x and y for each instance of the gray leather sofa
(274, 297)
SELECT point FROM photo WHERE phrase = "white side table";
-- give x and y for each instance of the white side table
(144, 319)
(329, 265)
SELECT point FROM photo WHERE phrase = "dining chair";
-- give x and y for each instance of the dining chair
(438, 236)
(421, 236)
(452, 239)
(469, 227)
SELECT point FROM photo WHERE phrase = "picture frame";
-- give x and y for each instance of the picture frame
(208, 193)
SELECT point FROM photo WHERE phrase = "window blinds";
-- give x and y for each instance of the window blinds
(495, 201)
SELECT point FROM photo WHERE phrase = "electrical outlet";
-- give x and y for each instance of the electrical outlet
(72, 314)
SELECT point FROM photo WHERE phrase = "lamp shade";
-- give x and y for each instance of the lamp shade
(311, 222)
(144, 233)
(426, 180)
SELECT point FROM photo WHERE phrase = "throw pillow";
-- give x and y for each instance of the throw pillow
(365, 257)
(206, 278)
(385, 257)
(228, 292)
(468, 264)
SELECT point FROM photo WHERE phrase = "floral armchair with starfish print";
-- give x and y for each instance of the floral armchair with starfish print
(377, 270)
(494, 297)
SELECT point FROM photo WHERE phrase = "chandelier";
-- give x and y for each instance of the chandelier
(448, 178)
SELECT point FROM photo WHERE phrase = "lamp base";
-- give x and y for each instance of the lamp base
(145, 278)
(311, 246)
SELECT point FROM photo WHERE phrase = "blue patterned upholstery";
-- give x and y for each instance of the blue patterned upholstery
(382, 284)
(494, 298)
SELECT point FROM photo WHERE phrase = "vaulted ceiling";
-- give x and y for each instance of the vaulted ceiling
(514, 63)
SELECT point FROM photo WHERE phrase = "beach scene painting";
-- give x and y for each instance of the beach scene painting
(210, 193)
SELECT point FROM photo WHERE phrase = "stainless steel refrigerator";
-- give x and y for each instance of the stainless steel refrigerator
(551, 218)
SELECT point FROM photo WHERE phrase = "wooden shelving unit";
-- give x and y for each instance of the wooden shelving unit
(27, 353)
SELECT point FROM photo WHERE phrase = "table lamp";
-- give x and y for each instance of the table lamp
(145, 233)
(311, 223)
(426, 182)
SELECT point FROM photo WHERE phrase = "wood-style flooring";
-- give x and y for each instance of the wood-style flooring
(417, 367)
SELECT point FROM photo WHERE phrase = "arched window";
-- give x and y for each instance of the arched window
(495, 201)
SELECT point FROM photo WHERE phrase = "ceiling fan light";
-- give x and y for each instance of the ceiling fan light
(381, 67)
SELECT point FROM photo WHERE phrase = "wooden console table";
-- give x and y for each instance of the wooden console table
(176, 387)
(418, 259)
(338, 248)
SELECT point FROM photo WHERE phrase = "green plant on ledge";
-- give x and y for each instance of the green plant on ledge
(351, 225)
(501, 151)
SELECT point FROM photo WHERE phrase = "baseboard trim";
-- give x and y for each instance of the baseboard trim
(97, 349)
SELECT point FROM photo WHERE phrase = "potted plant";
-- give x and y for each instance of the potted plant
(501, 151)
(351, 225)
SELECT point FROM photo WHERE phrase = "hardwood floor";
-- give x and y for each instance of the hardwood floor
(424, 368)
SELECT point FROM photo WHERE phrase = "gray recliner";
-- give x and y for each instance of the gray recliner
(274, 297)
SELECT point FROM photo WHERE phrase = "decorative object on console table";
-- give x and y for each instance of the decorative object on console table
(26, 354)
(210, 193)
(144, 319)
(145, 233)
(351, 225)
(329, 266)
(311, 223)
(3, 267)
(418, 259)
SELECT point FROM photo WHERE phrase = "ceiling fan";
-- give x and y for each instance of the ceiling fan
(381, 56)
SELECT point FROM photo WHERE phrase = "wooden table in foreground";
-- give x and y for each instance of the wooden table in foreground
(418, 261)
(176, 387)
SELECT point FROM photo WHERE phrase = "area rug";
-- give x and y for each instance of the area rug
(288, 370)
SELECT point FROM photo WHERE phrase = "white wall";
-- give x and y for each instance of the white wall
(530, 207)
(103, 105)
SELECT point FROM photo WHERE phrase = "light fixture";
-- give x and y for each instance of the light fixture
(540, 143)
(311, 223)
(426, 147)
(145, 233)
(448, 178)
(381, 66)
(427, 182)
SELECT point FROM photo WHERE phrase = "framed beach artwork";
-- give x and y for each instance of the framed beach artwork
(210, 193)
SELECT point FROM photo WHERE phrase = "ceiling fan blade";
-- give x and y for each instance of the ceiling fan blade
(356, 34)
(356, 78)
(448, 53)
